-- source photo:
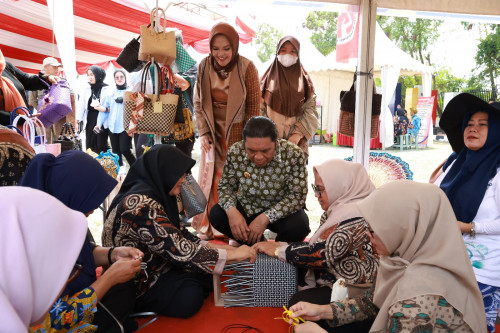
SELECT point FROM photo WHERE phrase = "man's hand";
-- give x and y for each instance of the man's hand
(238, 225)
(53, 79)
(268, 248)
(181, 82)
(257, 228)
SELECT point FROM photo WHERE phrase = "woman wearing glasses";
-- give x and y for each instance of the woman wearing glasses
(340, 248)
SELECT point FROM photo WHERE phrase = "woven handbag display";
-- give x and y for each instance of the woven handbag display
(129, 56)
(68, 138)
(269, 282)
(193, 199)
(147, 120)
(159, 45)
(348, 109)
(55, 103)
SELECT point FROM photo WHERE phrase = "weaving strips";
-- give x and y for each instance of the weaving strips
(269, 282)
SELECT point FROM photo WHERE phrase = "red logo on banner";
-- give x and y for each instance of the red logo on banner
(347, 36)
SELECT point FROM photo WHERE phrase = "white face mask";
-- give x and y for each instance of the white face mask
(287, 60)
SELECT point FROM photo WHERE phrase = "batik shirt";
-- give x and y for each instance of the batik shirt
(344, 254)
(278, 189)
(141, 222)
(71, 314)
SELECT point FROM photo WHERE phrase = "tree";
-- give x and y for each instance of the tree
(324, 28)
(488, 57)
(412, 36)
(266, 40)
(447, 82)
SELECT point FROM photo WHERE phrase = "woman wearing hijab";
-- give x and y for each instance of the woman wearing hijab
(340, 247)
(80, 182)
(226, 97)
(13, 83)
(89, 107)
(144, 214)
(472, 183)
(30, 238)
(288, 96)
(425, 282)
(112, 119)
(15, 155)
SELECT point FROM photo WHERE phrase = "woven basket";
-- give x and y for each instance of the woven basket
(269, 282)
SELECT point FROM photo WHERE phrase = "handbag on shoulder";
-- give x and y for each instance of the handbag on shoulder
(348, 109)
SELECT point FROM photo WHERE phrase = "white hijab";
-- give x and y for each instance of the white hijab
(416, 223)
(40, 239)
(345, 184)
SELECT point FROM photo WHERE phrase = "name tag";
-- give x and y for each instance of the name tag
(157, 107)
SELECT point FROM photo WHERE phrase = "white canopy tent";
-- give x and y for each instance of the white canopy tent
(330, 77)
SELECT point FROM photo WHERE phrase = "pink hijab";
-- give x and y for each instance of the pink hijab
(40, 239)
(345, 184)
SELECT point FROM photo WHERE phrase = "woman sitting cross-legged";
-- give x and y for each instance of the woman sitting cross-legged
(425, 282)
(340, 248)
(80, 182)
(144, 214)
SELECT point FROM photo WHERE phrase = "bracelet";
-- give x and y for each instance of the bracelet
(109, 255)
(473, 230)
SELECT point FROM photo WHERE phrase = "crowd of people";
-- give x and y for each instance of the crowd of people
(408, 257)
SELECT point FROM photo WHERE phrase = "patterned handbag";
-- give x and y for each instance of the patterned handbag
(269, 282)
(185, 130)
(348, 109)
(193, 199)
(150, 113)
(110, 162)
(68, 138)
(55, 103)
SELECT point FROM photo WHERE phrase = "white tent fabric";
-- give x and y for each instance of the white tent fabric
(330, 77)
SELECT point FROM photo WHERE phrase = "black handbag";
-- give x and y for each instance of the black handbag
(68, 138)
(179, 116)
(128, 57)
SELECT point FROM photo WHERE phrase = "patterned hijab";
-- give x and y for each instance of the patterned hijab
(416, 223)
(39, 243)
(15, 155)
(286, 89)
(154, 174)
(345, 184)
(234, 40)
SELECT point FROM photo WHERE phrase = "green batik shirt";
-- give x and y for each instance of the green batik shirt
(278, 189)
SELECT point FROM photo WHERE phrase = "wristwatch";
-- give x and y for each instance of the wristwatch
(277, 251)
(473, 230)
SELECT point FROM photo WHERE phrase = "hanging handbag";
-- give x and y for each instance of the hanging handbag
(193, 199)
(151, 113)
(68, 138)
(129, 56)
(348, 109)
(158, 45)
(184, 130)
(55, 103)
(29, 130)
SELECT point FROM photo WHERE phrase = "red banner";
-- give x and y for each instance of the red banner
(347, 36)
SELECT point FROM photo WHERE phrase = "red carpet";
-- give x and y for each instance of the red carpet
(212, 319)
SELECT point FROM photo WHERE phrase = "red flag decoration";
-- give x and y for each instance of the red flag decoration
(347, 36)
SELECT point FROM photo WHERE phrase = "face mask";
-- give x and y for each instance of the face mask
(287, 60)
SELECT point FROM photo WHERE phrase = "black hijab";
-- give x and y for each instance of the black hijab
(154, 174)
(122, 86)
(100, 75)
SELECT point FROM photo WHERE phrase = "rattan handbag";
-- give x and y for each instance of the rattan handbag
(159, 45)
(348, 109)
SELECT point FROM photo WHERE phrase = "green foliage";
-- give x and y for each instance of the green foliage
(324, 28)
(412, 36)
(266, 40)
(446, 82)
(488, 56)
(408, 82)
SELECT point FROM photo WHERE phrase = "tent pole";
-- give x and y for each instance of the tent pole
(364, 82)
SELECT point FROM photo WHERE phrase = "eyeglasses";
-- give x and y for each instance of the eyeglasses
(317, 190)
(77, 269)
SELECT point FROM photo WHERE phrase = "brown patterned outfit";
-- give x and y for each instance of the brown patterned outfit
(222, 108)
(15, 155)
